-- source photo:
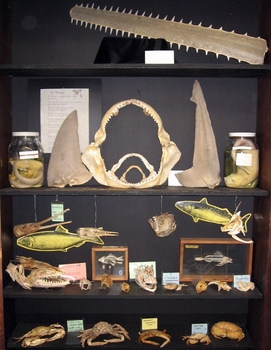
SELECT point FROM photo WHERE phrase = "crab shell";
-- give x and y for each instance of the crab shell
(144, 337)
(224, 329)
(197, 337)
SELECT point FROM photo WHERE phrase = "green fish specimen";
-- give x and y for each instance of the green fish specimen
(202, 210)
(59, 240)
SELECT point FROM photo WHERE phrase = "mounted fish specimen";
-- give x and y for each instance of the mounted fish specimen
(218, 258)
(94, 162)
(202, 210)
(163, 225)
(65, 165)
(229, 44)
(42, 275)
(111, 260)
(205, 171)
(59, 240)
(25, 229)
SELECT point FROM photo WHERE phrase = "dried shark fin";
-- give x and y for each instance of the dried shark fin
(205, 171)
(65, 165)
(232, 45)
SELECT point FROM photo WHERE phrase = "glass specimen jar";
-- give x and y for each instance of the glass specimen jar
(26, 160)
(241, 160)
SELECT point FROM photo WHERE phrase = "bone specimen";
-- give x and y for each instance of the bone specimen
(25, 229)
(94, 162)
(229, 44)
(65, 165)
(163, 225)
(206, 169)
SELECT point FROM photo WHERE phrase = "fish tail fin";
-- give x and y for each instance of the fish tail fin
(245, 219)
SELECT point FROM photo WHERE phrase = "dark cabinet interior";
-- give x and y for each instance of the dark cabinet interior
(40, 48)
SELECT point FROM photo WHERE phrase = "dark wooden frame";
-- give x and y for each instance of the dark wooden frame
(205, 243)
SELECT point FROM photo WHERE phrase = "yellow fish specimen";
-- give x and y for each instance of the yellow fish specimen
(59, 240)
(202, 210)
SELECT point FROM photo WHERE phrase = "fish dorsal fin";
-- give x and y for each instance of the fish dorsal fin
(61, 229)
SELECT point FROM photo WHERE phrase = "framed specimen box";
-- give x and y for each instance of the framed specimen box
(211, 259)
(111, 260)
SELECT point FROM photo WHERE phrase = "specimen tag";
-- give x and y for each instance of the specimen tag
(240, 278)
(57, 207)
(149, 323)
(199, 328)
(74, 272)
(159, 56)
(170, 277)
(172, 179)
(75, 325)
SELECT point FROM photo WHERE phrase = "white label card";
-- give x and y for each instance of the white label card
(199, 328)
(75, 325)
(240, 278)
(57, 207)
(56, 105)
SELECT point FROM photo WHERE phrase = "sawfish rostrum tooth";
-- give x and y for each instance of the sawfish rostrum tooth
(232, 45)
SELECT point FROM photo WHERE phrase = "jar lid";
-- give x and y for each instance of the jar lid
(242, 134)
(25, 133)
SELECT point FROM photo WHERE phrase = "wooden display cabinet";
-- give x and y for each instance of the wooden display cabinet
(64, 56)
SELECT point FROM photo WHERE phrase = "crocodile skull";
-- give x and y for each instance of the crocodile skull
(94, 162)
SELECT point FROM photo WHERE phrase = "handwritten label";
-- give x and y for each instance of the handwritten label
(74, 272)
(199, 328)
(149, 323)
(170, 277)
(240, 278)
(75, 325)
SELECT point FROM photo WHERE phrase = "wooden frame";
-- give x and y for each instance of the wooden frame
(194, 252)
(117, 271)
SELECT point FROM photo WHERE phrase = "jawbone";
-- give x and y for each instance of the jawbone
(94, 162)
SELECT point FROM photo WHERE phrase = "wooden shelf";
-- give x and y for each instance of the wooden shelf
(155, 191)
(13, 290)
(241, 70)
(176, 332)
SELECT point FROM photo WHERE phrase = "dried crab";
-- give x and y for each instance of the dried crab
(41, 335)
(197, 337)
(106, 281)
(100, 328)
(144, 277)
(221, 285)
(224, 329)
(143, 337)
(42, 275)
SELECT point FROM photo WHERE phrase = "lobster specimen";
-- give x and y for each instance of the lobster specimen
(232, 45)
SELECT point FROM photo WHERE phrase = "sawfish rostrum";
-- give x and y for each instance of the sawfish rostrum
(204, 211)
